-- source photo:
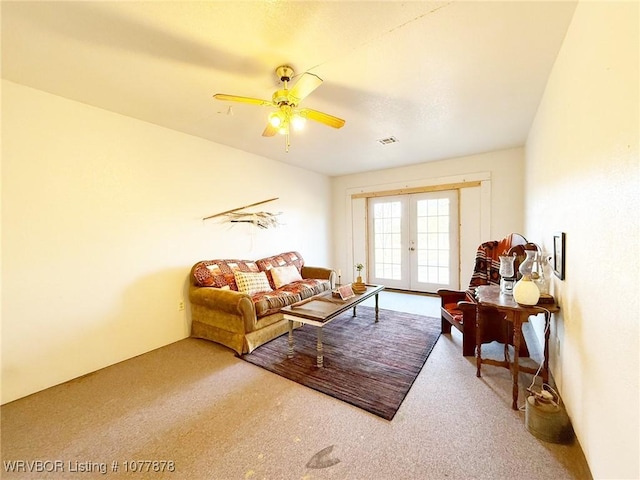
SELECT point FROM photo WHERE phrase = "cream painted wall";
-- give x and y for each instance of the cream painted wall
(101, 222)
(582, 171)
(504, 169)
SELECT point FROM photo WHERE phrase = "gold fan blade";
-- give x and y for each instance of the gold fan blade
(269, 130)
(306, 84)
(321, 117)
(234, 98)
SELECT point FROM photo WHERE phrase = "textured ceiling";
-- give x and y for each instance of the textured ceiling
(445, 78)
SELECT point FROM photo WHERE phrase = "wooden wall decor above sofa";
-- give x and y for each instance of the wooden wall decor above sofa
(259, 219)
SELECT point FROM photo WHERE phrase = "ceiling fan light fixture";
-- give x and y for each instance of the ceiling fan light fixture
(276, 119)
(298, 122)
(286, 114)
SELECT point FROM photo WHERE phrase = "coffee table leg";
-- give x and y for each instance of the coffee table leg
(290, 354)
(354, 311)
(376, 308)
(320, 357)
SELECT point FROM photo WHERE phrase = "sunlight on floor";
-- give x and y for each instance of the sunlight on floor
(419, 304)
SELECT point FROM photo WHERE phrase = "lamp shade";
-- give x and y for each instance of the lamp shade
(275, 119)
(297, 121)
(526, 292)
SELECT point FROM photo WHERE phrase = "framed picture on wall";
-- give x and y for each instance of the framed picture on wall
(558, 254)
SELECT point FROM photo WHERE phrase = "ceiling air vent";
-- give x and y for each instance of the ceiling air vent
(388, 140)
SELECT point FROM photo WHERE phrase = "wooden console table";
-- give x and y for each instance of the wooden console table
(489, 297)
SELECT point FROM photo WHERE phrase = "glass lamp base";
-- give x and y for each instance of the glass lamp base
(506, 286)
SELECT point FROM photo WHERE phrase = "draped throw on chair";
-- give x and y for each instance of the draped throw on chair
(487, 267)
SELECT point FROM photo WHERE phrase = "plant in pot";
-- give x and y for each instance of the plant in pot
(359, 286)
(359, 268)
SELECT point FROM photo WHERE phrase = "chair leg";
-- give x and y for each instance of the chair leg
(469, 338)
(445, 325)
(468, 346)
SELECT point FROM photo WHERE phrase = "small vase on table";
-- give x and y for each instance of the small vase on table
(358, 286)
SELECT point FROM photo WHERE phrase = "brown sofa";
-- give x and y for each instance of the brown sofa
(222, 313)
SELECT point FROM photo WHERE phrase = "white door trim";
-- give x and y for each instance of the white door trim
(356, 213)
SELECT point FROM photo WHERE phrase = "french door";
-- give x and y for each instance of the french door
(413, 241)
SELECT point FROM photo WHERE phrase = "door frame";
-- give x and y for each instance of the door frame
(409, 261)
(355, 249)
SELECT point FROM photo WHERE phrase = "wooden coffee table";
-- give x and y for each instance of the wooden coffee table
(320, 310)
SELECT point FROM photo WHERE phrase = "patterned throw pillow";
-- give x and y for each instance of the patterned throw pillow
(252, 283)
(281, 260)
(283, 275)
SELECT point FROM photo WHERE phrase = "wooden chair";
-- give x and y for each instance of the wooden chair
(459, 308)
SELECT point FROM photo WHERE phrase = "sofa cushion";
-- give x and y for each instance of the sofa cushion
(271, 302)
(454, 311)
(219, 273)
(252, 282)
(283, 275)
(281, 260)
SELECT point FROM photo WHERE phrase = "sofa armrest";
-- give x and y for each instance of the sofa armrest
(451, 296)
(321, 273)
(226, 301)
(467, 307)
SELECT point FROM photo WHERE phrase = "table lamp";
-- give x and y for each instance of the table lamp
(526, 292)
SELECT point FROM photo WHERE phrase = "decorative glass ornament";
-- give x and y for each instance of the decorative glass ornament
(527, 265)
(545, 271)
(507, 274)
(526, 292)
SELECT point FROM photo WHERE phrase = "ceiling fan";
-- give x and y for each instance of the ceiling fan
(288, 114)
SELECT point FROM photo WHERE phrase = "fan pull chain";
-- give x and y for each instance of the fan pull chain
(286, 139)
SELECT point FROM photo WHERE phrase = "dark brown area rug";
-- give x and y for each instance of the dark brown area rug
(367, 364)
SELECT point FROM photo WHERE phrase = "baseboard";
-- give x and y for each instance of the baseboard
(411, 292)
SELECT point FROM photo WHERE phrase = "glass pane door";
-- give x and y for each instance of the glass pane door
(433, 247)
(388, 241)
(413, 241)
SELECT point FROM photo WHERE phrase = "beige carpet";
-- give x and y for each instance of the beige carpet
(217, 417)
